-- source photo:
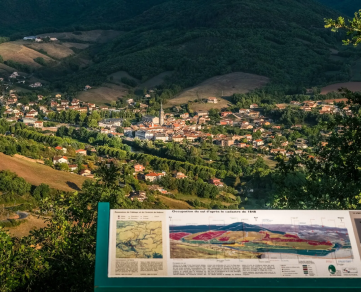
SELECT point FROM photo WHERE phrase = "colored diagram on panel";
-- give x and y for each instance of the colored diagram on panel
(247, 241)
(139, 239)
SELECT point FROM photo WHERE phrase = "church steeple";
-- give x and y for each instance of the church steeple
(161, 115)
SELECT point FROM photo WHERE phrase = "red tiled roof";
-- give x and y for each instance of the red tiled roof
(152, 174)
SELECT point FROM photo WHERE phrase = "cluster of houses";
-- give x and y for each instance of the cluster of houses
(189, 128)
(170, 127)
(28, 113)
(72, 167)
(322, 107)
(153, 177)
(39, 39)
(20, 79)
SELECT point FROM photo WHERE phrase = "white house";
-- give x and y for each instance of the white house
(202, 113)
(38, 124)
(60, 159)
(144, 135)
(257, 143)
(212, 100)
(35, 85)
(154, 176)
(59, 148)
(161, 136)
(140, 196)
(110, 122)
(29, 38)
(81, 152)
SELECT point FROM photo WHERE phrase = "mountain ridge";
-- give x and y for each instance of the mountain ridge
(201, 39)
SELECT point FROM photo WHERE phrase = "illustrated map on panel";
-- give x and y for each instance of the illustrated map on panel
(246, 241)
(139, 239)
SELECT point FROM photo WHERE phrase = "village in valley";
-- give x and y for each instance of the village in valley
(250, 133)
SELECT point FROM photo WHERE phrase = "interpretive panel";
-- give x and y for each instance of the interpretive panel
(234, 243)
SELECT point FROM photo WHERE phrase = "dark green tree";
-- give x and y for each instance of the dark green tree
(109, 174)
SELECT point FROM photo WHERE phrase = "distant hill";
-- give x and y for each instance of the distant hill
(56, 15)
(238, 226)
(284, 40)
(348, 7)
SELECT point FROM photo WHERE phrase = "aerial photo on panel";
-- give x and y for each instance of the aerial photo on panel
(246, 241)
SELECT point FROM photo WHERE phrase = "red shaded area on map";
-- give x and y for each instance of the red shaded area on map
(208, 235)
(178, 235)
(223, 239)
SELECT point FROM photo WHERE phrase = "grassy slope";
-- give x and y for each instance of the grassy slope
(36, 173)
(227, 85)
(104, 94)
(16, 51)
(32, 222)
(174, 204)
(353, 86)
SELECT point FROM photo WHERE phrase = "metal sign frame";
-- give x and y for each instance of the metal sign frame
(104, 284)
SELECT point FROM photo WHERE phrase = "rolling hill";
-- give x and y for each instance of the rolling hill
(35, 16)
(195, 40)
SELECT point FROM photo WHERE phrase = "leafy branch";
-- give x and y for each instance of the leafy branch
(353, 28)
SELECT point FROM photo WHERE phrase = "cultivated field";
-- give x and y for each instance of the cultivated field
(353, 86)
(99, 36)
(104, 94)
(36, 173)
(25, 52)
(55, 50)
(16, 51)
(174, 204)
(229, 84)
